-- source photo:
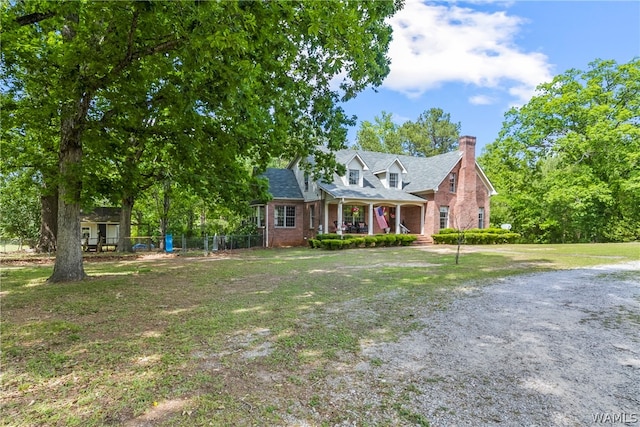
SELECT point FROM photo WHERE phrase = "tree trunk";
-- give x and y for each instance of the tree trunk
(68, 266)
(48, 223)
(124, 239)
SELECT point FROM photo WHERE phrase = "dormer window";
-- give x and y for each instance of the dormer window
(306, 181)
(452, 182)
(393, 180)
(354, 177)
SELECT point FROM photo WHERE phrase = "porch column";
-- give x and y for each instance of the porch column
(397, 219)
(339, 227)
(326, 217)
(370, 221)
(266, 225)
(422, 219)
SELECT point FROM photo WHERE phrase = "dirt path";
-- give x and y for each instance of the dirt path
(559, 348)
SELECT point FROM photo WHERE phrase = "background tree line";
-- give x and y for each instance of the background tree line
(567, 164)
(432, 133)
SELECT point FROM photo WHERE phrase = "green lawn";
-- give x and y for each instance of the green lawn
(232, 339)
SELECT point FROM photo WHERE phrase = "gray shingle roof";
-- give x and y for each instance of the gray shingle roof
(369, 192)
(423, 174)
(283, 184)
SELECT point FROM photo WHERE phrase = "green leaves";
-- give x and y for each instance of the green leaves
(431, 134)
(199, 92)
(564, 163)
(381, 136)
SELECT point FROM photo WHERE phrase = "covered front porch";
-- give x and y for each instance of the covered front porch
(373, 217)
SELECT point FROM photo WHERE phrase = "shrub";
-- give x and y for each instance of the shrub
(445, 239)
(329, 236)
(476, 236)
(406, 239)
(381, 240)
(448, 231)
(358, 242)
(332, 244)
(335, 241)
(370, 241)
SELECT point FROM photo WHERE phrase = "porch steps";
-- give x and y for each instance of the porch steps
(422, 240)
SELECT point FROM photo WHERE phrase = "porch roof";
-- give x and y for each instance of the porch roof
(369, 192)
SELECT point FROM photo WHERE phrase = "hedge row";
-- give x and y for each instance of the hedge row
(335, 241)
(472, 237)
(492, 230)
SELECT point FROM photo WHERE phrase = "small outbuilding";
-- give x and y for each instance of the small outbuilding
(100, 229)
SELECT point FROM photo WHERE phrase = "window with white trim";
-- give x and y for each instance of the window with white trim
(354, 177)
(480, 217)
(312, 216)
(452, 182)
(444, 217)
(306, 181)
(258, 215)
(285, 216)
(393, 180)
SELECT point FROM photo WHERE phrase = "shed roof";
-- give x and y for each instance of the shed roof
(101, 215)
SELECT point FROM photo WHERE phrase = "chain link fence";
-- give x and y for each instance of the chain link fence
(148, 243)
(218, 243)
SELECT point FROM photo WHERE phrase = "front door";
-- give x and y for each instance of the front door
(102, 233)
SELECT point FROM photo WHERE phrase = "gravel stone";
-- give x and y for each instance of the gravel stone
(558, 348)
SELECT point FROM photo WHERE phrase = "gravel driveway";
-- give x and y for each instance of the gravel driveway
(550, 349)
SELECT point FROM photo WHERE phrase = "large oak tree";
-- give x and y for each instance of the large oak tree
(255, 79)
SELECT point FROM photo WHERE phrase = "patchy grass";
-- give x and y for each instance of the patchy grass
(242, 339)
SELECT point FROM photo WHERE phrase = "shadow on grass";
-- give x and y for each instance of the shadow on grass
(241, 341)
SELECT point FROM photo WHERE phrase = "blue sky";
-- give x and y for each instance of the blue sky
(477, 59)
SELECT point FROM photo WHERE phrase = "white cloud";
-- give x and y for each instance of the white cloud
(481, 100)
(400, 119)
(437, 44)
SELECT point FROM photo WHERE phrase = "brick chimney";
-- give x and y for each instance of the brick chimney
(466, 207)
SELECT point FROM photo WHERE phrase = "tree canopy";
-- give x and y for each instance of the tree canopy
(205, 88)
(431, 134)
(381, 136)
(567, 164)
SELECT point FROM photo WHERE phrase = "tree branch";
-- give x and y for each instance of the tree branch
(131, 36)
(130, 57)
(33, 18)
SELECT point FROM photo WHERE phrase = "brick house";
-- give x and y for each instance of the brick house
(380, 193)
